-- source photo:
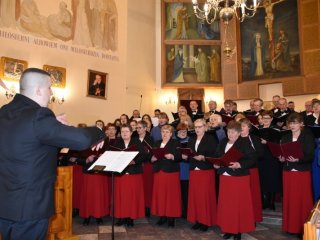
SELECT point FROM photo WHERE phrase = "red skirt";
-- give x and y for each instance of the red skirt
(202, 203)
(76, 185)
(147, 183)
(166, 194)
(256, 194)
(297, 200)
(235, 211)
(128, 196)
(94, 200)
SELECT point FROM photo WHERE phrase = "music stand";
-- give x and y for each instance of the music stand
(113, 162)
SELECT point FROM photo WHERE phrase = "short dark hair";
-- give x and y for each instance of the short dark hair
(234, 125)
(294, 117)
(35, 70)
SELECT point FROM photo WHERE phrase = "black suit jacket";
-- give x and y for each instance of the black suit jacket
(168, 165)
(207, 147)
(137, 166)
(29, 138)
(247, 161)
(307, 142)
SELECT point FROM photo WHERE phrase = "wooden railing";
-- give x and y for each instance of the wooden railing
(60, 226)
(313, 223)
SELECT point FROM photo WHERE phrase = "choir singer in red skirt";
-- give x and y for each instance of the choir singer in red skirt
(166, 195)
(202, 203)
(128, 193)
(297, 186)
(235, 211)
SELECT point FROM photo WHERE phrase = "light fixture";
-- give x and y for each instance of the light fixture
(57, 96)
(226, 9)
(170, 100)
(10, 92)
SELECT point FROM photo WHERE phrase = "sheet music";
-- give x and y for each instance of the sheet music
(114, 161)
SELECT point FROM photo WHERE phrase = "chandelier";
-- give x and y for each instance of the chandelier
(226, 9)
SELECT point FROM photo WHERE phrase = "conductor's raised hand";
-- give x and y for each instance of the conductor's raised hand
(97, 146)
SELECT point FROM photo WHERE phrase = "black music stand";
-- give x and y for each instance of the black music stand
(113, 162)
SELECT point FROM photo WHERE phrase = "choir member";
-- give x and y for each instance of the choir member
(146, 141)
(156, 131)
(308, 110)
(235, 212)
(147, 119)
(215, 123)
(255, 142)
(166, 196)
(297, 187)
(94, 194)
(195, 113)
(313, 120)
(202, 206)
(129, 195)
(183, 138)
(212, 105)
(269, 167)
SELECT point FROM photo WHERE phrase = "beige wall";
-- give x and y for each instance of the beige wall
(129, 78)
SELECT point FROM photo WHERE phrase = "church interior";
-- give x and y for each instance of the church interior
(133, 47)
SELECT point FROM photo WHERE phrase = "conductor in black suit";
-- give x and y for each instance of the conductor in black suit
(30, 135)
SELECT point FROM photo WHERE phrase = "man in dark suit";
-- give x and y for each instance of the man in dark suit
(30, 135)
(194, 112)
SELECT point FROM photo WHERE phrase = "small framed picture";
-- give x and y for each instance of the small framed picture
(58, 75)
(12, 69)
(97, 84)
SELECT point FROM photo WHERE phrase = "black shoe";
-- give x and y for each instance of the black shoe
(147, 212)
(171, 222)
(196, 226)
(162, 220)
(130, 222)
(227, 236)
(99, 221)
(237, 236)
(120, 222)
(86, 221)
(75, 212)
(203, 228)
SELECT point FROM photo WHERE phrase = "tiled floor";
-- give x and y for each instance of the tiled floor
(146, 229)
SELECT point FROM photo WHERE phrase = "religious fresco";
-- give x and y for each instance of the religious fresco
(181, 23)
(198, 64)
(191, 48)
(88, 23)
(270, 42)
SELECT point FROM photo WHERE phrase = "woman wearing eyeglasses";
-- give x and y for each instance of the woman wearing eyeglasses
(202, 204)
(146, 141)
(269, 166)
(297, 186)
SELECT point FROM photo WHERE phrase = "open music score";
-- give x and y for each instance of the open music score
(187, 151)
(232, 155)
(113, 161)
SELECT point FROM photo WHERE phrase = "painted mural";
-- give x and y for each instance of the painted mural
(87, 23)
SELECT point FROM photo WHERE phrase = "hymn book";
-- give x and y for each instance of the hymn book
(286, 150)
(232, 155)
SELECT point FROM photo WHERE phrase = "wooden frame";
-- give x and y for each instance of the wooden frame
(183, 64)
(11, 69)
(270, 49)
(58, 75)
(97, 84)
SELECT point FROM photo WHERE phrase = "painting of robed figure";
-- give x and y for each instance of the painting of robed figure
(182, 24)
(199, 64)
(270, 42)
